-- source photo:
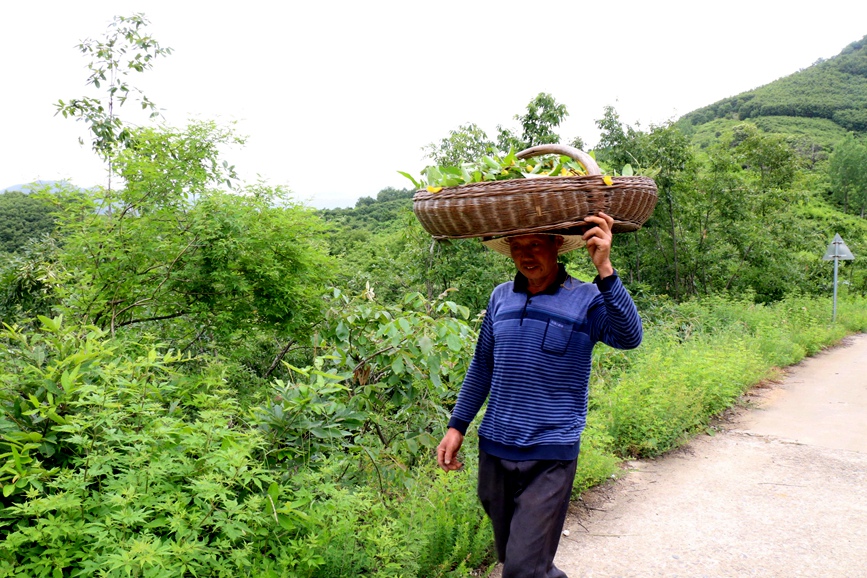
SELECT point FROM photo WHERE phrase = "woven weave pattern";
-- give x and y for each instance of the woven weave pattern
(524, 206)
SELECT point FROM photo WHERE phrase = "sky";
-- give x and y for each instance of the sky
(334, 98)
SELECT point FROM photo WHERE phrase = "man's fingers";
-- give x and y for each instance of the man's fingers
(447, 451)
(591, 233)
(608, 219)
(441, 458)
(602, 221)
(447, 459)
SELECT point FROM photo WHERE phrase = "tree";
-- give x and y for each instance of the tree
(466, 143)
(392, 194)
(22, 217)
(27, 281)
(848, 171)
(544, 114)
(619, 145)
(672, 157)
(124, 48)
(769, 157)
(463, 265)
(173, 251)
(612, 133)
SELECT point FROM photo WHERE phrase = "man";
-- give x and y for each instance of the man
(532, 363)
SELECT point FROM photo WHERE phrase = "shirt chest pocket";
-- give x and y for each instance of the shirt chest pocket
(557, 336)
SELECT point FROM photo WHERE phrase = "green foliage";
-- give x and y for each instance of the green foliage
(826, 221)
(123, 456)
(167, 168)
(812, 138)
(398, 369)
(22, 217)
(834, 89)
(463, 267)
(729, 218)
(464, 144)
(171, 251)
(597, 462)
(27, 281)
(544, 114)
(469, 143)
(255, 262)
(618, 144)
(124, 48)
(436, 528)
(383, 244)
(496, 167)
(848, 171)
(116, 461)
(374, 215)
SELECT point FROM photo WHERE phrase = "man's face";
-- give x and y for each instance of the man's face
(535, 256)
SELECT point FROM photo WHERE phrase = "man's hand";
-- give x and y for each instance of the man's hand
(447, 451)
(598, 240)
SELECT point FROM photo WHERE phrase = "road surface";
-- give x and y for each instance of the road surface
(779, 491)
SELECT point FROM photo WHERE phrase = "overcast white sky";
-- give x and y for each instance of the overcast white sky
(336, 97)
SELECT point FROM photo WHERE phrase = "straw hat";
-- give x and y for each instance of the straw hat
(501, 244)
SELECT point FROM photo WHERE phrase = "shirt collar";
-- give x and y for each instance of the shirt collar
(521, 284)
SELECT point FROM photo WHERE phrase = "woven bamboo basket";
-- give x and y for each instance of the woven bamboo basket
(536, 205)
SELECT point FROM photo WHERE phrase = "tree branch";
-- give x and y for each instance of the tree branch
(279, 357)
(156, 318)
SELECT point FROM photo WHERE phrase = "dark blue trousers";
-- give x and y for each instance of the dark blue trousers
(527, 503)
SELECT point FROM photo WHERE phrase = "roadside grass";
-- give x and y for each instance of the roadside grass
(697, 359)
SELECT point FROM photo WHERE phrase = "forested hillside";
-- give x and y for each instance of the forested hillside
(203, 377)
(817, 105)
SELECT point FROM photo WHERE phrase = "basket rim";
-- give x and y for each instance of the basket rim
(538, 184)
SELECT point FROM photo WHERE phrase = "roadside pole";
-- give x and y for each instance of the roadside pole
(837, 250)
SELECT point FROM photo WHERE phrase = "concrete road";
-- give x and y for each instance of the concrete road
(781, 491)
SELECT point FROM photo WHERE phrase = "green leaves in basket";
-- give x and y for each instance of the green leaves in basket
(415, 183)
(495, 167)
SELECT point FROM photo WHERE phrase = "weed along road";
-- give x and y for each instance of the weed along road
(779, 491)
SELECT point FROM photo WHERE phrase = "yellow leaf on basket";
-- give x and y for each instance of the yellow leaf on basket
(434, 189)
(606, 179)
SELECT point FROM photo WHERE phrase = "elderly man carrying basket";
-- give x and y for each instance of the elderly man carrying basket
(532, 364)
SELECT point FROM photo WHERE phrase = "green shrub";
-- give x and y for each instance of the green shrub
(117, 463)
(122, 458)
(700, 357)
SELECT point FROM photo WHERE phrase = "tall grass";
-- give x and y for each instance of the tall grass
(697, 359)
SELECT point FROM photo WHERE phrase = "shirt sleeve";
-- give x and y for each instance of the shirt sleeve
(477, 382)
(614, 320)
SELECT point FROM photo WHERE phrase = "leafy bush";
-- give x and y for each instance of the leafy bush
(380, 390)
(116, 463)
(116, 458)
(27, 281)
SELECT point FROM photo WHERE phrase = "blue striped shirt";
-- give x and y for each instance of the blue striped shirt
(532, 361)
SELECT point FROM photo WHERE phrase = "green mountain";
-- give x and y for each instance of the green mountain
(815, 106)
